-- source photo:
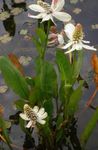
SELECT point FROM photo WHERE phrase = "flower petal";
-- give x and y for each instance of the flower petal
(41, 111)
(89, 47)
(41, 121)
(35, 109)
(57, 5)
(23, 116)
(78, 46)
(29, 124)
(44, 115)
(46, 17)
(62, 16)
(60, 39)
(36, 8)
(85, 41)
(69, 30)
(39, 16)
(71, 50)
(67, 45)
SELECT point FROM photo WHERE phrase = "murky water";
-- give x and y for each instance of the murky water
(82, 11)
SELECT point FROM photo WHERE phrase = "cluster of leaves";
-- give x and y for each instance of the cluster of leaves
(54, 87)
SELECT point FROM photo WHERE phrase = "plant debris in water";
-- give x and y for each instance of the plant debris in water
(25, 60)
(3, 89)
(19, 1)
(5, 38)
(16, 11)
(4, 15)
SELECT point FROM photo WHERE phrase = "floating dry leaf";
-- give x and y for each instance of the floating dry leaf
(3, 89)
(77, 11)
(94, 26)
(28, 37)
(25, 60)
(16, 11)
(4, 15)
(73, 1)
(23, 31)
(5, 38)
(19, 1)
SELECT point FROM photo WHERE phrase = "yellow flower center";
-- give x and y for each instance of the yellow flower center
(78, 33)
(30, 114)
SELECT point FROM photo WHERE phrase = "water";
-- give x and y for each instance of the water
(84, 12)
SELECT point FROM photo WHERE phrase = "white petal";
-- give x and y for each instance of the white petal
(37, 8)
(41, 111)
(29, 124)
(62, 16)
(69, 30)
(60, 39)
(46, 18)
(35, 109)
(67, 45)
(85, 41)
(89, 47)
(41, 121)
(78, 46)
(39, 16)
(44, 115)
(71, 50)
(23, 116)
(57, 5)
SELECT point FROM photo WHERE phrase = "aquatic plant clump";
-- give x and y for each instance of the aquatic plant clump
(49, 99)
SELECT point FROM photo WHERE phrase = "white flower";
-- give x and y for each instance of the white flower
(33, 115)
(75, 36)
(47, 12)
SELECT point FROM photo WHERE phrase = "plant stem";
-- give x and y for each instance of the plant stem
(48, 28)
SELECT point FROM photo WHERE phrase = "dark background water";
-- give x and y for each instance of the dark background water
(84, 12)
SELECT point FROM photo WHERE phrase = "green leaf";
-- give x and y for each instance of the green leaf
(74, 100)
(48, 105)
(39, 47)
(19, 104)
(3, 126)
(64, 66)
(89, 128)
(77, 65)
(40, 40)
(13, 78)
(41, 34)
(46, 77)
(35, 95)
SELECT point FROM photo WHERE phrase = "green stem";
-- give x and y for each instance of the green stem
(45, 47)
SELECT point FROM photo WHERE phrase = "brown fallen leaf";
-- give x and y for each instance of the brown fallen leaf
(16, 62)
(94, 62)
